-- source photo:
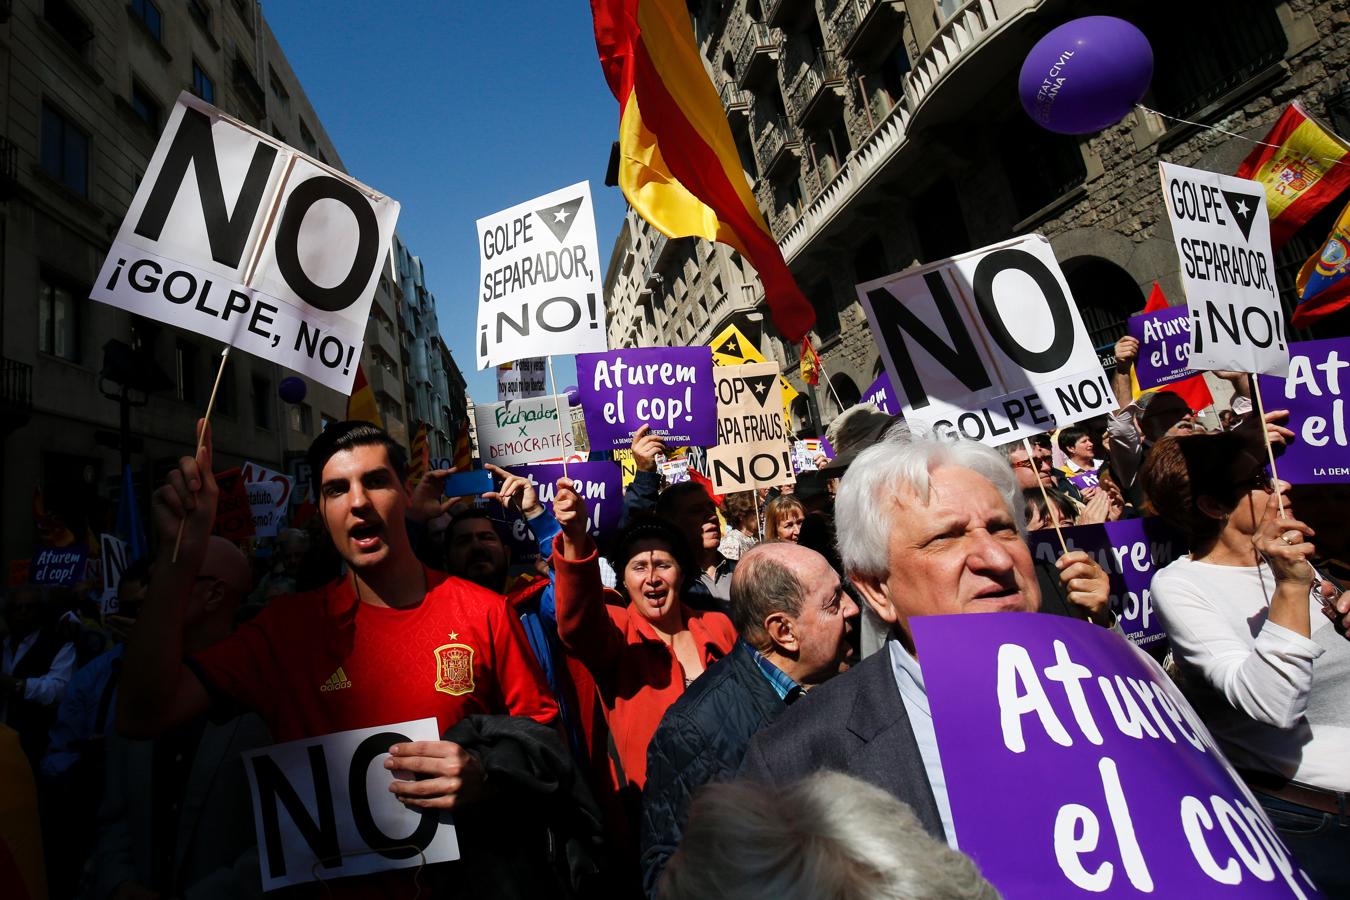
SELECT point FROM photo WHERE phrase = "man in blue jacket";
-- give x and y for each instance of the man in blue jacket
(793, 617)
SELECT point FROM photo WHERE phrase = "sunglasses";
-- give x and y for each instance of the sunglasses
(1259, 481)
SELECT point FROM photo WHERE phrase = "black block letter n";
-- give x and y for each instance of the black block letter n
(274, 789)
(226, 231)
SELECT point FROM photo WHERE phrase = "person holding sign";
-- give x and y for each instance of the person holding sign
(1258, 634)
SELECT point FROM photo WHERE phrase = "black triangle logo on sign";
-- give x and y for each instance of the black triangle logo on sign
(760, 386)
(559, 218)
(1243, 207)
(732, 347)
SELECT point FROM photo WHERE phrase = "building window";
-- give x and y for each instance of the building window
(65, 151)
(1041, 166)
(58, 323)
(149, 15)
(67, 22)
(307, 138)
(279, 90)
(186, 365)
(301, 416)
(147, 108)
(262, 401)
(228, 395)
(325, 421)
(201, 12)
(202, 85)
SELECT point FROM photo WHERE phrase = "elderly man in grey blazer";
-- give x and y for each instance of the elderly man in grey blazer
(925, 527)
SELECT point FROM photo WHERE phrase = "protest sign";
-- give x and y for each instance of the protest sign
(1164, 346)
(627, 464)
(1131, 551)
(1075, 768)
(730, 347)
(667, 388)
(256, 474)
(1085, 480)
(265, 503)
(322, 808)
(522, 379)
(1222, 232)
(298, 471)
(58, 565)
(112, 552)
(881, 395)
(1314, 392)
(600, 484)
(234, 513)
(674, 471)
(187, 249)
(541, 291)
(522, 431)
(987, 345)
(752, 439)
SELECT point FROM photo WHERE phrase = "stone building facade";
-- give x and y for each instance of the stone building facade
(878, 134)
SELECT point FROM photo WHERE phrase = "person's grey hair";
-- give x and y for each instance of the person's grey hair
(828, 835)
(863, 507)
(857, 426)
(760, 587)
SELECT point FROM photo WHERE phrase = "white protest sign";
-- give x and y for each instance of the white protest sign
(267, 502)
(752, 440)
(987, 345)
(113, 552)
(218, 194)
(254, 474)
(541, 292)
(323, 809)
(1222, 231)
(522, 379)
(522, 431)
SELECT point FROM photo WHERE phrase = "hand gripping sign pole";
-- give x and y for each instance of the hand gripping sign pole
(249, 272)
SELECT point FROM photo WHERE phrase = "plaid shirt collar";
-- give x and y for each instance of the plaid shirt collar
(783, 685)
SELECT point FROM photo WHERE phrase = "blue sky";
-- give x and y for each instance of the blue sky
(458, 110)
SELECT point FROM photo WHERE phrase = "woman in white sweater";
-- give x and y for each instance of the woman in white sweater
(1266, 661)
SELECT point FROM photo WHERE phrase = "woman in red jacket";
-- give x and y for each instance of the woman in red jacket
(642, 647)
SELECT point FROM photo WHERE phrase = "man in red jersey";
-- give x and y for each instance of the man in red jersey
(387, 641)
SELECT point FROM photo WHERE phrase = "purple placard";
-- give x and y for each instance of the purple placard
(599, 483)
(58, 565)
(668, 388)
(1131, 551)
(1164, 346)
(881, 395)
(1314, 392)
(1076, 769)
(1085, 480)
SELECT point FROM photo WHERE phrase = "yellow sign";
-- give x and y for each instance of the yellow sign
(732, 348)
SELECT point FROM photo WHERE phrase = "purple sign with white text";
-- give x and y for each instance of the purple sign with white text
(1076, 769)
(1131, 551)
(881, 395)
(1085, 480)
(1314, 392)
(668, 388)
(600, 484)
(1164, 346)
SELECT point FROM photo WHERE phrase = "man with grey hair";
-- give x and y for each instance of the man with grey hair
(925, 527)
(792, 615)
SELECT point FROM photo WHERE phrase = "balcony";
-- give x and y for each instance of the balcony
(735, 100)
(16, 394)
(818, 90)
(865, 29)
(9, 169)
(757, 58)
(778, 147)
(787, 13)
(656, 261)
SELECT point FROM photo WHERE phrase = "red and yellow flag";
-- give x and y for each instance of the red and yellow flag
(810, 362)
(361, 405)
(463, 458)
(678, 164)
(1194, 390)
(419, 462)
(1304, 171)
(1323, 287)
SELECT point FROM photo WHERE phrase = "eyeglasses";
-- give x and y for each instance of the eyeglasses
(1023, 464)
(1259, 481)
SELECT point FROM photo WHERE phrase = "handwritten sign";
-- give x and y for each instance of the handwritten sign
(669, 389)
(522, 431)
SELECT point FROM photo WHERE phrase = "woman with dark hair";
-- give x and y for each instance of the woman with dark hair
(1061, 511)
(643, 645)
(783, 517)
(1258, 639)
(1078, 450)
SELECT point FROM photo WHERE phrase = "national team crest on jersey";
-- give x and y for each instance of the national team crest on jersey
(454, 669)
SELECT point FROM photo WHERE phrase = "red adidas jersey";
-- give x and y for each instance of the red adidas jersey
(322, 662)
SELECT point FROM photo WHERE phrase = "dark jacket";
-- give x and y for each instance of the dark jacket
(702, 738)
(855, 724)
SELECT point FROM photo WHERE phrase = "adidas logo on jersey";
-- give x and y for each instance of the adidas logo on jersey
(337, 681)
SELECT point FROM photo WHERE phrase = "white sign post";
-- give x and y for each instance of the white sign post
(1222, 231)
(752, 440)
(323, 809)
(540, 293)
(236, 236)
(522, 431)
(987, 345)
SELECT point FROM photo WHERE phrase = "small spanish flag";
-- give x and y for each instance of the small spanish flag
(1322, 286)
(810, 362)
(1304, 170)
(419, 461)
(1194, 390)
(678, 163)
(361, 405)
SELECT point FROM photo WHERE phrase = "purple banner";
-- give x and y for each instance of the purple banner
(1314, 392)
(668, 388)
(1131, 551)
(58, 565)
(1164, 346)
(1076, 769)
(1085, 480)
(881, 395)
(599, 483)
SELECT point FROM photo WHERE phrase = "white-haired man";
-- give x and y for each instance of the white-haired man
(925, 527)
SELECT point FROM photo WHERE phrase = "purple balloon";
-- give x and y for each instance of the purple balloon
(1085, 75)
(573, 398)
(292, 389)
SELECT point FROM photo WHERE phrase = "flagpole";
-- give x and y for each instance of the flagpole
(562, 441)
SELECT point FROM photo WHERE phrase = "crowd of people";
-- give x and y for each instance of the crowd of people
(722, 699)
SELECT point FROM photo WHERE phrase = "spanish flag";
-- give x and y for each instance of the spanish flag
(1303, 166)
(1322, 286)
(678, 164)
(810, 362)
(1194, 390)
(361, 404)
